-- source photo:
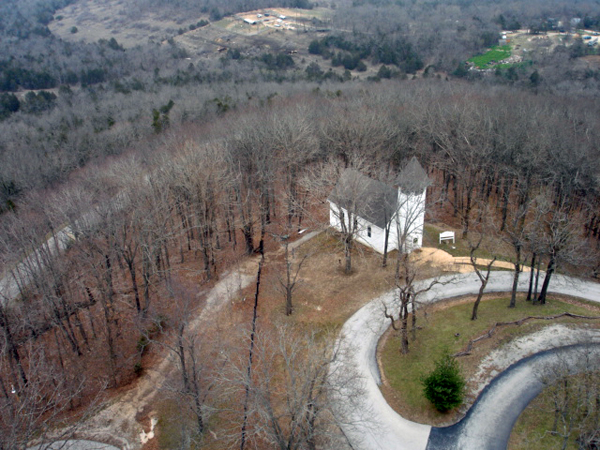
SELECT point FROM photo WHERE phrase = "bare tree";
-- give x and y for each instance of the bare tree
(408, 222)
(29, 413)
(571, 397)
(484, 221)
(463, 133)
(558, 233)
(515, 234)
(353, 200)
(288, 282)
(289, 392)
(197, 359)
(482, 274)
(406, 301)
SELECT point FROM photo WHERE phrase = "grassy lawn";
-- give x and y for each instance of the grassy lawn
(431, 239)
(450, 327)
(461, 246)
(223, 23)
(529, 433)
(531, 430)
(495, 54)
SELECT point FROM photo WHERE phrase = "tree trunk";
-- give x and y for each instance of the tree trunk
(404, 328)
(537, 278)
(505, 198)
(385, 245)
(181, 354)
(546, 284)
(348, 255)
(478, 300)
(467, 213)
(251, 353)
(11, 345)
(110, 343)
(248, 238)
(146, 277)
(134, 285)
(414, 318)
(513, 293)
(531, 277)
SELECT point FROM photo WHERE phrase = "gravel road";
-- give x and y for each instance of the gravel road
(372, 424)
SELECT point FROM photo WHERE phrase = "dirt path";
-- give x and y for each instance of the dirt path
(117, 422)
(460, 264)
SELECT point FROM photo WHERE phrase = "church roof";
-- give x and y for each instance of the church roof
(413, 178)
(373, 200)
(370, 199)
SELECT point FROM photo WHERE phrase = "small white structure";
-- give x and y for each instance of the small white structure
(250, 21)
(386, 216)
(447, 236)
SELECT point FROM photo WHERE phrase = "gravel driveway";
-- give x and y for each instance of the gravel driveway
(370, 423)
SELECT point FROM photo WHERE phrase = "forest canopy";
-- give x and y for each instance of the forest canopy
(222, 127)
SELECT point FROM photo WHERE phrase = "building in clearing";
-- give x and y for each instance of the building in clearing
(383, 217)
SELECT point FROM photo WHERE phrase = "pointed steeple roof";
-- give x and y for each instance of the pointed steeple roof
(413, 177)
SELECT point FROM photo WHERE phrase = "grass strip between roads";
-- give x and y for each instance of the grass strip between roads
(448, 326)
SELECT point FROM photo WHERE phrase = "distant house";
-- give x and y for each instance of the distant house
(250, 21)
(386, 216)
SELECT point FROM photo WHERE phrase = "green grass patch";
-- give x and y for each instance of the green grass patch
(458, 249)
(493, 55)
(530, 431)
(223, 23)
(432, 239)
(440, 328)
(576, 421)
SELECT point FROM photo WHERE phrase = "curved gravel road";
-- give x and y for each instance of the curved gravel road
(489, 422)
(369, 422)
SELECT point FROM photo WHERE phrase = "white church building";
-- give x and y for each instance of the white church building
(370, 209)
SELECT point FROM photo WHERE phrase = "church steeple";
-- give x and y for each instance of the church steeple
(412, 185)
(413, 179)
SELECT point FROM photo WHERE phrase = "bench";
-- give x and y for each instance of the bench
(447, 236)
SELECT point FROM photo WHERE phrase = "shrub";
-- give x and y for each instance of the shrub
(445, 385)
(142, 343)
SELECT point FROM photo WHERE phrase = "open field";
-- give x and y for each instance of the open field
(522, 43)
(107, 19)
(492, 56)
(113, 19)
